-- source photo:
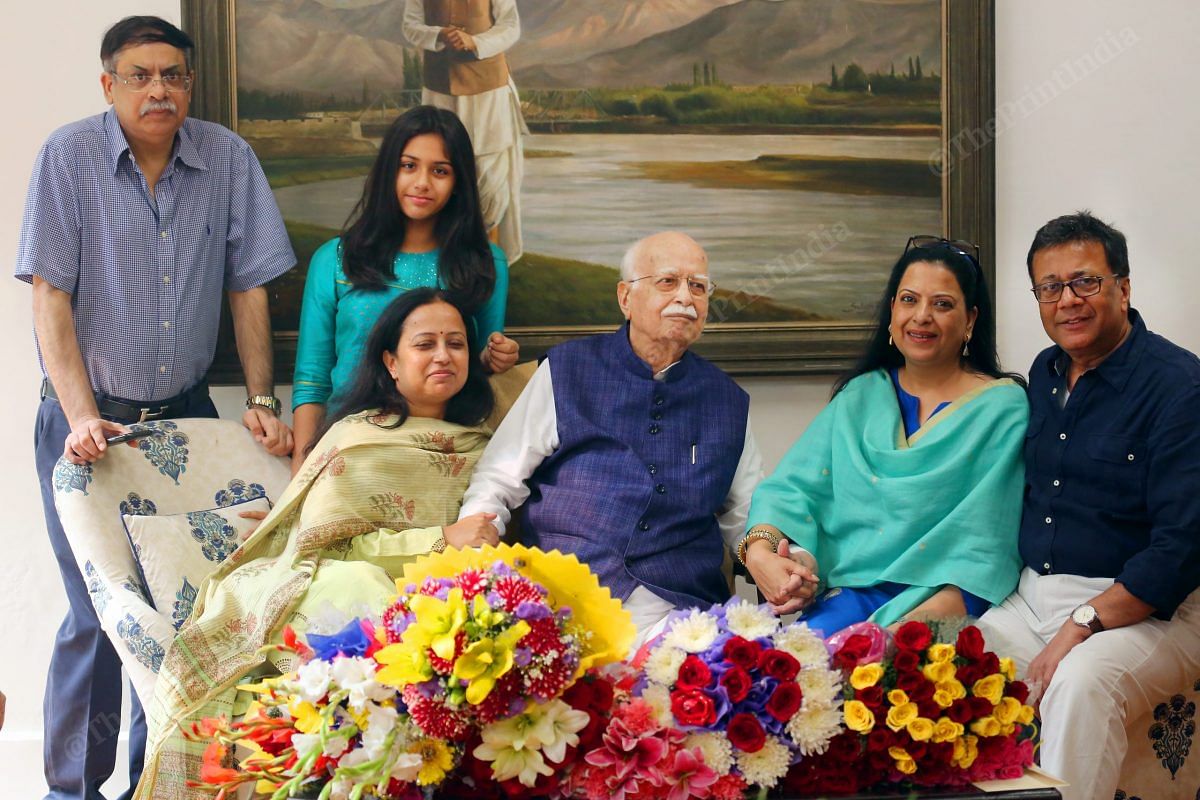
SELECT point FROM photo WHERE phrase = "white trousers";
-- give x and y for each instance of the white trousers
(1113, 677)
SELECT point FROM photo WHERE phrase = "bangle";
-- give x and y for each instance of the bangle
(764, 533)
(439, 545)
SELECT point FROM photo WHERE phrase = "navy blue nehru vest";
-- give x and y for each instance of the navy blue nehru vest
(622, 492)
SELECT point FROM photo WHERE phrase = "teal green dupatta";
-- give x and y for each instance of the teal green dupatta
(873, 506)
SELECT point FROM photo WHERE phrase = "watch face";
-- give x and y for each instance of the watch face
(1083, 615)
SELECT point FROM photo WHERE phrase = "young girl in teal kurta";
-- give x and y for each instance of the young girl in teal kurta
(418, 224)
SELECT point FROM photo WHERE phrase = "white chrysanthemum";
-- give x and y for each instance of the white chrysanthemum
(694, 633)
(714, 748)
(766, 766)
(808, 648)
(312, 681)
(663, 664)
(658, 696)
(380, 722)
(812, 727)
(358, 676)
(820, 686)
(750, 621)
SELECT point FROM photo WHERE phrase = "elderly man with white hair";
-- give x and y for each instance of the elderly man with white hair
(630, 451)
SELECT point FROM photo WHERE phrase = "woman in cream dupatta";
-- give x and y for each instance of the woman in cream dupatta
(382, 486)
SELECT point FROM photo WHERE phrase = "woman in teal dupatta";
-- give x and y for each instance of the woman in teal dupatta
(904, 495)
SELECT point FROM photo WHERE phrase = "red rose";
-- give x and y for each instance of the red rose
(737, 683)
(602, 696)
(853, 650)
(969, 673)
(785, 701)
(980, 707)
(845, 747)
(941, 752)
(879, 739)
(916, 750)
(743, 652)
(692, 707)
(880, 761)
(990, 663)
(970, 643)
(914, 636)
(960, 711)
(907, 661)
(579, 695)
(1018, 691)
(872, 697)
(693, 674)
(779, 665)
(910, 682)
(746, 733)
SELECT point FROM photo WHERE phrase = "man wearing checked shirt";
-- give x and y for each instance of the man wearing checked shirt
(135, 222)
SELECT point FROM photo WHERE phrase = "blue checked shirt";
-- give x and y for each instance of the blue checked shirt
(146, 272)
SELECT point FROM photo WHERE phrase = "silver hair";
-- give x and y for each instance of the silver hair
(629, 261)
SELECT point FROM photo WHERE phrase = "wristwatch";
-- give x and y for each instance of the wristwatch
(1085, 616)
(267, 401)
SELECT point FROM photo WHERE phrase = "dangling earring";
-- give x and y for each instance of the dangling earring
(966, 352)
(890, 342)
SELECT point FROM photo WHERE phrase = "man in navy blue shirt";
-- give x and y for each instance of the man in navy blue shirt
(136, 221)
(1106, 614)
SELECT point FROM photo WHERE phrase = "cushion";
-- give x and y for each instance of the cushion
(175, 553)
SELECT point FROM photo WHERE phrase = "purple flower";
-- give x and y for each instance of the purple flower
(495, 600)
(501, 570)
(400, 623)
(517, 705)
(522, 655)
(530, 611)
(410, 588)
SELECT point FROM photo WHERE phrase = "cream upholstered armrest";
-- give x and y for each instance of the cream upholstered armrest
(192, 464)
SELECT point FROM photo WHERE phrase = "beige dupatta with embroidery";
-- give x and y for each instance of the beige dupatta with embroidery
(361, 477)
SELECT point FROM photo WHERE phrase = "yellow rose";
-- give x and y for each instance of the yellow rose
(1007, 730)
(966, 750)
(941, 652)
(943, 698)
(897, 697)
(939, 671)
(1008, 668)
(1026, 715)
(906, 766)
(899, 754)
(920, 729)
(946, 730)
(991, 688)
(955, 688)
(858, 717)
(988, 726)
(899, 716)
(865, 676)
(1008, 710)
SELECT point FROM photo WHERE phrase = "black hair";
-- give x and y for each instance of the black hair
(133, 31)
(1082, 226)
(375, 229)
(373, 387)
(880, 354)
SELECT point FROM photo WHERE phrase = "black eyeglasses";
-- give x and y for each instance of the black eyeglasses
(1083, 286)
(963, 248)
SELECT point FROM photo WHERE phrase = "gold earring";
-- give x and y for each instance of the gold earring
(890, 342)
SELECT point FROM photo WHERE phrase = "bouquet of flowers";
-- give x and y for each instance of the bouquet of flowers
(471, 657)
(934, 714)
(727, 698)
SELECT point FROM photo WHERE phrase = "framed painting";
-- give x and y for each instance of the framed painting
(800, 141)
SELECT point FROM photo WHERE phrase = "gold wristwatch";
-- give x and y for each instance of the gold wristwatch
(267, 401)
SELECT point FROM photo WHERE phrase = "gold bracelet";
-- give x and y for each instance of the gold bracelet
(439, 545)
(755, 533)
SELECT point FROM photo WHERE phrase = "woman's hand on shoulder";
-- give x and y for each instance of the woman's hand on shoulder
(475, 530)
(500, 354)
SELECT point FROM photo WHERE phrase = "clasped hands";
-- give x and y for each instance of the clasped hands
(458, 39)
(788, 580)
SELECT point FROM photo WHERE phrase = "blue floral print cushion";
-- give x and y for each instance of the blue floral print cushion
(176, 553)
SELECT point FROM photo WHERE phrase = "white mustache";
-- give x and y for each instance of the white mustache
(151, 105)
(679, 308)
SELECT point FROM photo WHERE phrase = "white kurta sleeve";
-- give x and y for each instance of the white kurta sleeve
(414, 27)
(749, 473)
(503, 34)
(526, 437)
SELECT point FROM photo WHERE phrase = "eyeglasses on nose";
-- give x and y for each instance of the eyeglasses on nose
(141, 82)
(1083, 286)
(698, 285)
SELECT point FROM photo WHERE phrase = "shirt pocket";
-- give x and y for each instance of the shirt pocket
(1118, 479)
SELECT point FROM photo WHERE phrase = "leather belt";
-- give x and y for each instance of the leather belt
(125, 411)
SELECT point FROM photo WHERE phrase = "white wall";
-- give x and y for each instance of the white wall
(1086, 122)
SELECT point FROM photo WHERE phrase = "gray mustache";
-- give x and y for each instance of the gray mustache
(150, 106)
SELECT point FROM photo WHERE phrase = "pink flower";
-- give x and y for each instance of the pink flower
(688, 777)
(628, 753)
